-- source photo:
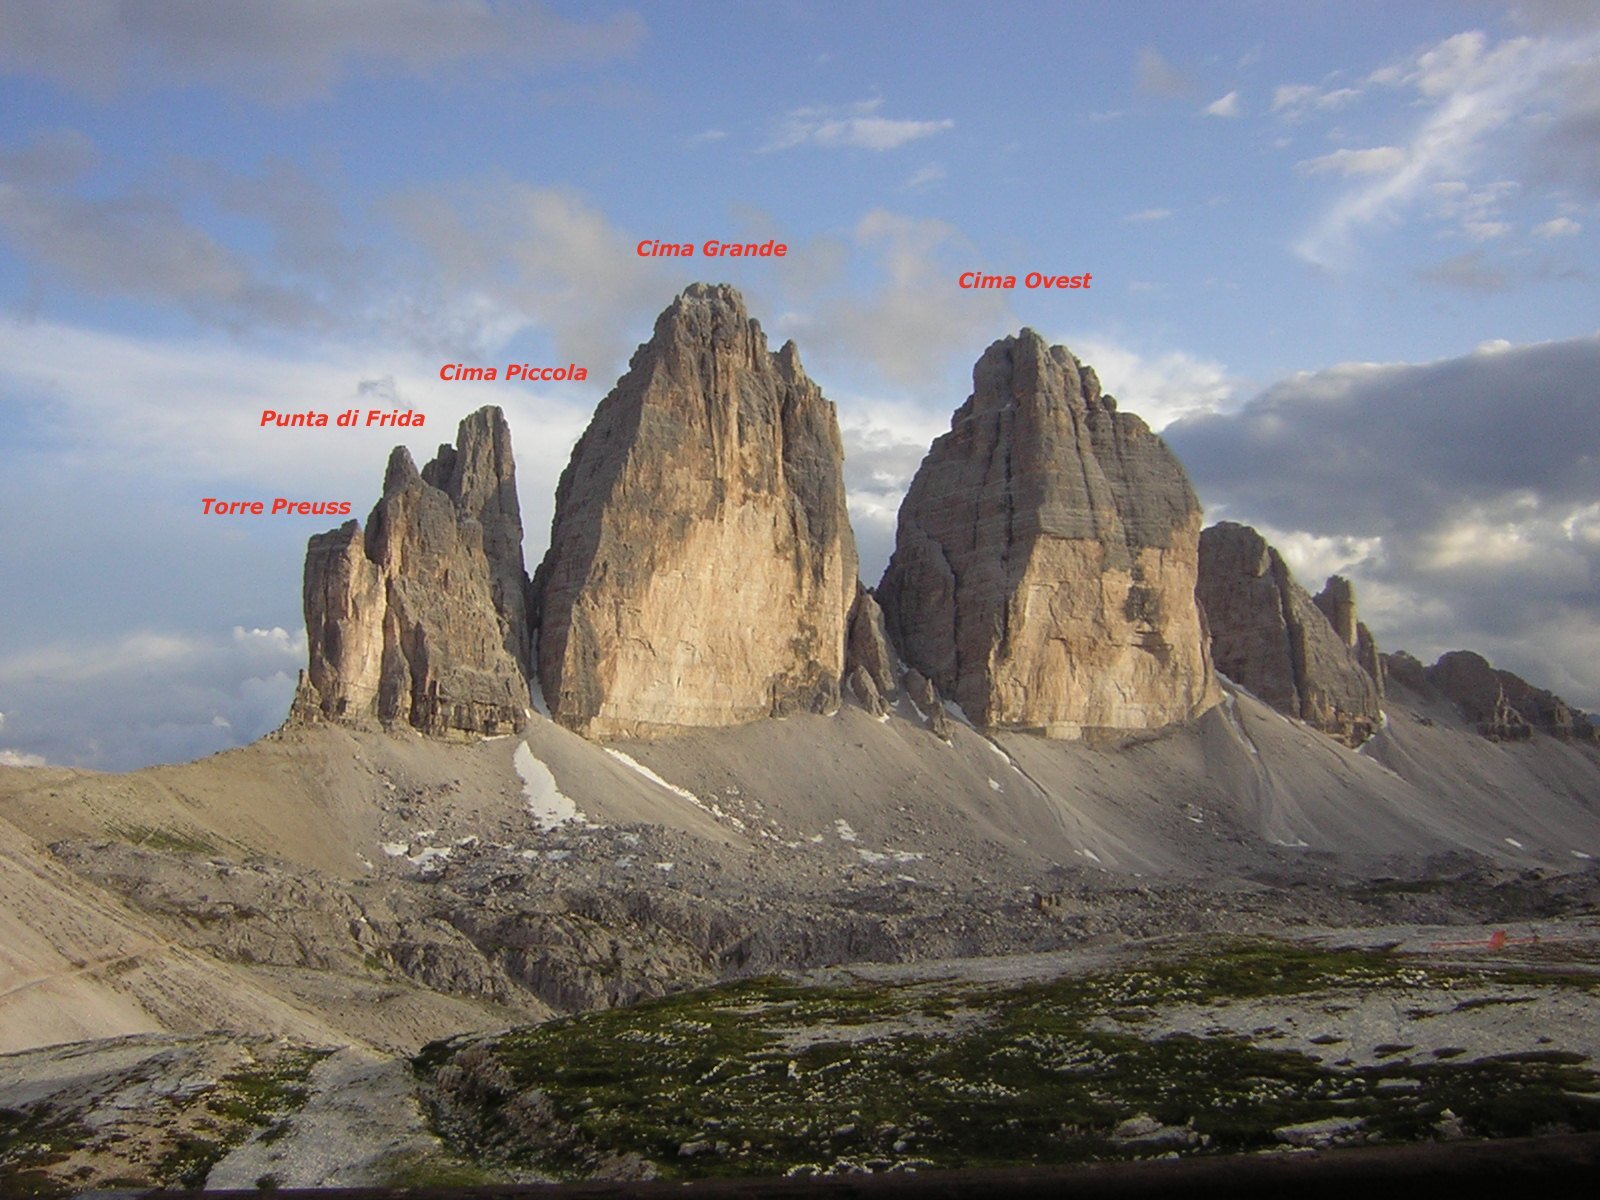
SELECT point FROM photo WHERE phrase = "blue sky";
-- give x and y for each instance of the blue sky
(1343, 255)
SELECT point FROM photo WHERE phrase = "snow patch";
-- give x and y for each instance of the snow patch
(842, 828)
(1581, 854)
(546, 805)
(994, 786)
(635, 765)
(1510, 841)
(665, 866)
(430, 859)
(394, 849)
(1230, 706)
(1089, 854)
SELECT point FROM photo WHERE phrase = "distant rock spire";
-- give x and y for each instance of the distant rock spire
(1504, 706)
(422, 619)
(1302, 656)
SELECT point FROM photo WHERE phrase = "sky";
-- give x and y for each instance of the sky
(1343, 256)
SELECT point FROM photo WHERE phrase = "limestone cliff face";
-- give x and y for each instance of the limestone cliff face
(701, 569)
(423, 618)
(1300, 655)
(1044, 566)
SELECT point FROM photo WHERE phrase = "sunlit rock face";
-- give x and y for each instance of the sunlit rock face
(1045, 562)
(422, 618)
(701, 569)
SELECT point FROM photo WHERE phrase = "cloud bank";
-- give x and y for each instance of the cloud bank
(1463, 495)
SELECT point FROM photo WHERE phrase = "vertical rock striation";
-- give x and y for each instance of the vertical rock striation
(1267, 634)
(1044, 567)
(423, 618)
(701, 569)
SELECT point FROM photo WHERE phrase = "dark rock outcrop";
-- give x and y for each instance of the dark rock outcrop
(1044, 567)
(1268, 635)
(422, 618)
(1406, 670)
(701, 569)
(1504, 706)
(869, 659)
(1337, 600)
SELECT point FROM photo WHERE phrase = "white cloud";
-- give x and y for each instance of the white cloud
(149, 696)
(1225, 106)
(1312, 557)
(885, 442)
(1160, 386)
(854, 125)
(708, 135)
(911, 325)
(923, 176)
(1376, 160)
(1292, 97)
(1147, 214)
(1338, 98)
(12, 758)
(508, 257)
(1558, 227)
(1474, 212)
(294, 50)
(1296, 101)
(1458, 534)
(191, 407)
(1477, 98)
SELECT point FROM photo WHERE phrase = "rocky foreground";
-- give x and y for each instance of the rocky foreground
(1171, 1047)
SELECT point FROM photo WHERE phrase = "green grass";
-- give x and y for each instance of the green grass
(32, 1140)
(167, 841)
(1039, 1076)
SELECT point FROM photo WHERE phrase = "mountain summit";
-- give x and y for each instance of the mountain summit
(701, 569)
(423, 618)
(1044, 567)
